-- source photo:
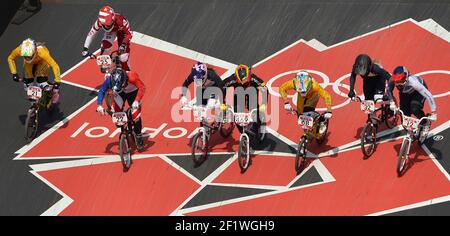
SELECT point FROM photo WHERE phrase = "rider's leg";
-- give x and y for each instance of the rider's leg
(136, 116)
(369, 87)
(405, 104)
(107, 43)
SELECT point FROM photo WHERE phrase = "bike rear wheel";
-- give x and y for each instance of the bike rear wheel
(403, 157)
(300, 157)
(31, 124)
(368, 140)
(125, 151)
(199, 148)
(244, 153)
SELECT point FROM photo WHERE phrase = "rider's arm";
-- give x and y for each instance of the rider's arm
(133, 78)
(288, 85)
(390, 89)
(126, 30)
(324, 94)
(230, 81)
(91, 34)
(257, 82)
(11, 60)
(45, 54)
(419, 87)
(186, 83)
(102, 91)
(352, 79)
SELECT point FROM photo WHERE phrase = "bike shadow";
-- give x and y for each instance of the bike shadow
(110, 147)
(47, 119)
(413, 160)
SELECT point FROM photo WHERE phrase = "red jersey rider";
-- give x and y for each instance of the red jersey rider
(114, 25)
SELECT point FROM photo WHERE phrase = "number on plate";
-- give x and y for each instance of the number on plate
(34, 92)
(306, 122)
(119, 118)
(410, 123)
(104, 61)
(368, 106)
(242, 118)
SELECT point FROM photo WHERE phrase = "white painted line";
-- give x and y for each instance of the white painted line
(161, 45)
(41, 137)
(241, 199)
(181, 169)
(256, 186)
(433, 27)
(59, 206)
(205, 182)
(279, 52)
(415, 205)
(344, 148)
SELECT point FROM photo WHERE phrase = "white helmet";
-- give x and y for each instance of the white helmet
(28, 50)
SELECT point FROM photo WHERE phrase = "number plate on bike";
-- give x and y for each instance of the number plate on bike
(242, 118)
(119, 118)
(200, 113)
(306, 122)
(34, 92)
(368, 106)
(104, 61)
(410, 123)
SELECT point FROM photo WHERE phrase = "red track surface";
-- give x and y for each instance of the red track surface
(361, 186)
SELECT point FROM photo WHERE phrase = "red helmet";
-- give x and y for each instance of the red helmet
(106, 18)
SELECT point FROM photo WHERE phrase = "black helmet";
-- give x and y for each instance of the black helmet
(118, 80)
(362, 65)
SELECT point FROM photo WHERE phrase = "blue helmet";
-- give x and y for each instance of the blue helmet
(199, 71)
(118, 80)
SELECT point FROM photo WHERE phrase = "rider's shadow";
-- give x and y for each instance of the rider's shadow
(47, 119)
(147, 144)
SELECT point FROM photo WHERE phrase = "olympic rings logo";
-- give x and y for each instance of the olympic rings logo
(337, 84)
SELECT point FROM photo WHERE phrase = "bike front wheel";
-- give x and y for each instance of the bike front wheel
(199, 147)
(368, 140)
(244, 153)
(31, 124)
(300, 157)
(125, 152)
(403, 157)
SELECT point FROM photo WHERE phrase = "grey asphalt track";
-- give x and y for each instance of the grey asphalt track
(233, 30)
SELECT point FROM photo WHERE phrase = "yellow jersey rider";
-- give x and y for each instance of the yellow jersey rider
(309, 92)
(37, 63)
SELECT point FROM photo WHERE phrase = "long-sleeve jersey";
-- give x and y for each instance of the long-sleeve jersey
(315, 89)
(413, 83)
(133, 83)
(121, 26)
(212, 79)
(231, 81)
(42, 55)
(376, 72)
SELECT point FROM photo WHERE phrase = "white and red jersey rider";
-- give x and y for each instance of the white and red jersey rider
(114, 25)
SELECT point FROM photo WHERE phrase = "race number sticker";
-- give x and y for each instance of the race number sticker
(104, 61)
(368, 106)
(34, 92)
(119, 118)
(410, 123)
(242, 118)
(306, 122)
(200, 113)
